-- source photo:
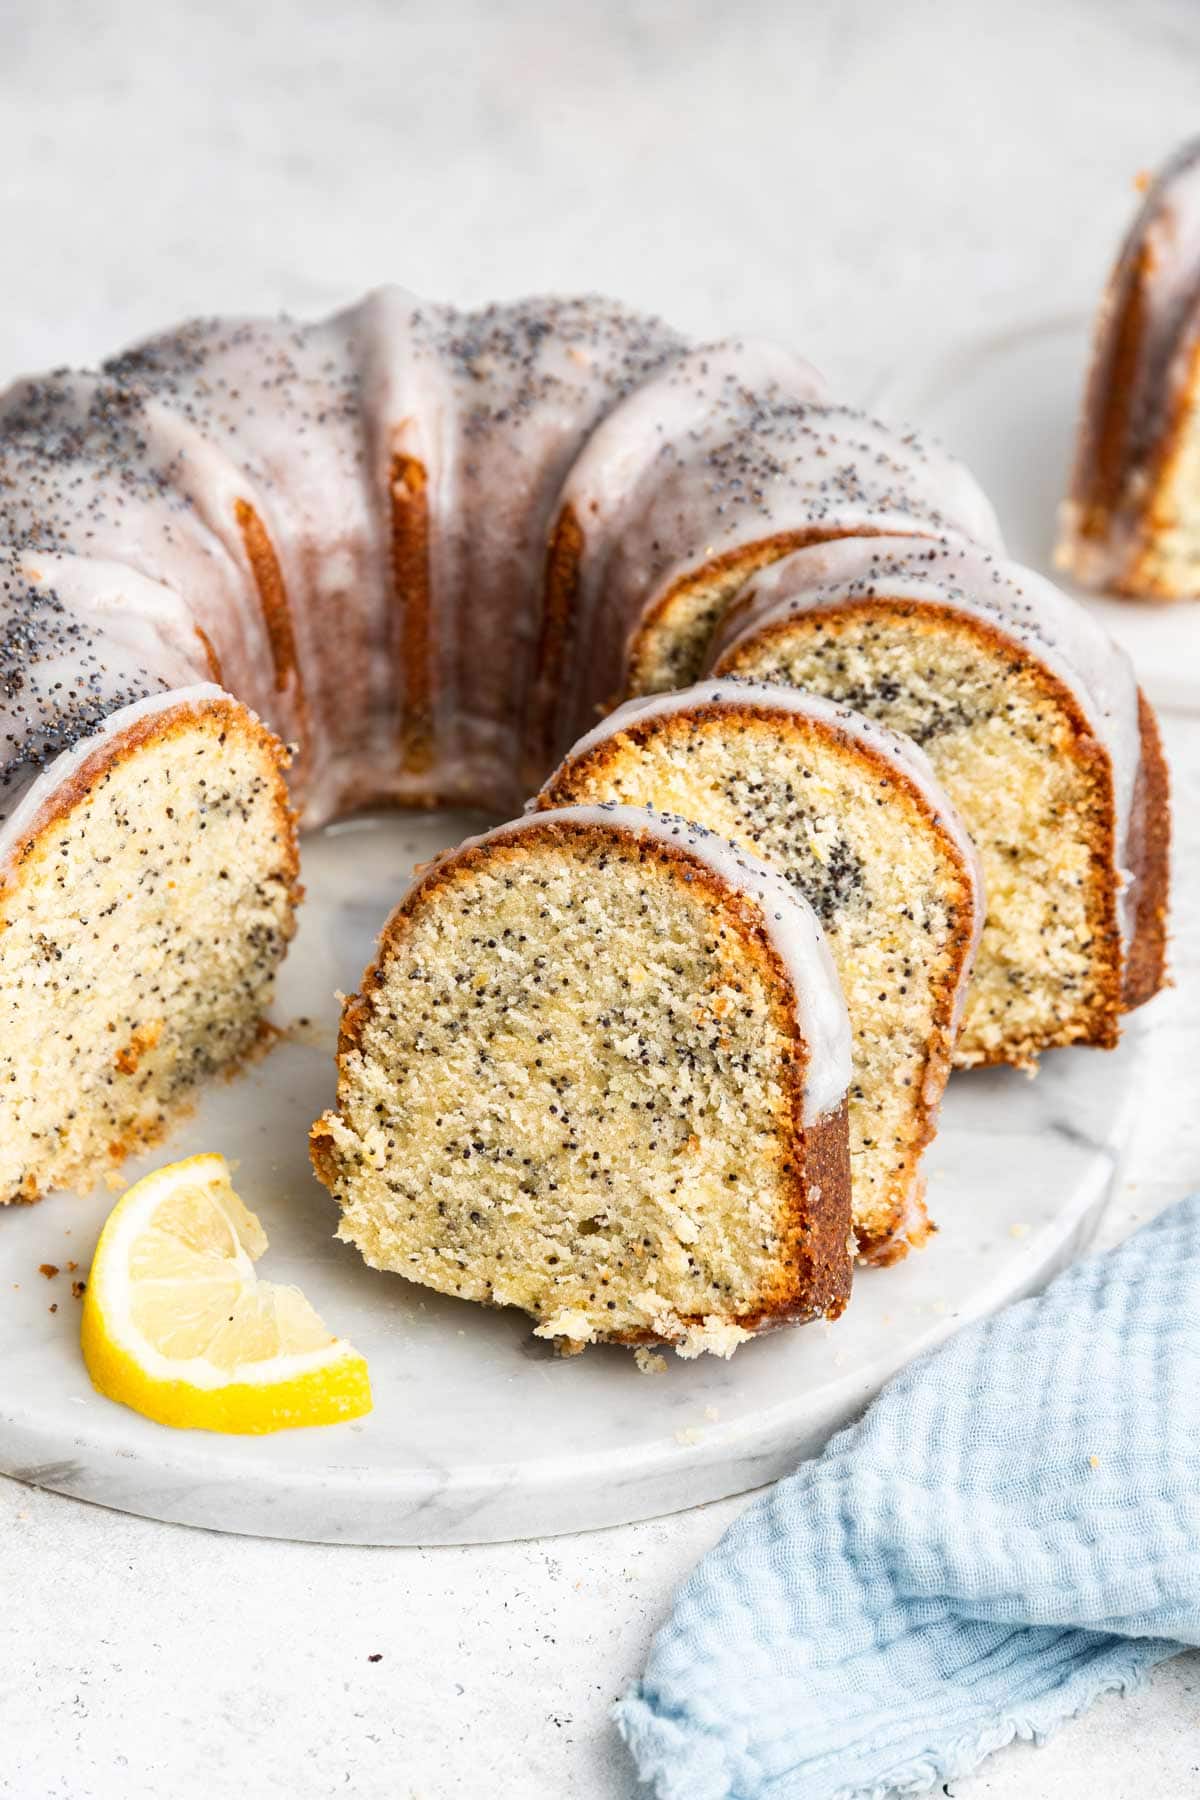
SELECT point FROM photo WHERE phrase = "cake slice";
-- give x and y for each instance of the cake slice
(600, 564)
(598, 1071)
(855, 819)
(1131, 522)
(1032, 720)
(655, 540)
(147, 896)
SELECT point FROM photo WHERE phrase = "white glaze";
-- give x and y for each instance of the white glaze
(112, 626)
(1014, 601)
(36, 799)
(476, 1436)
(616, 478)
(975, 394)
(788, 921)
(760, 461)
(907, 761)
(513, 412)
(1157, 273)
(967, 214)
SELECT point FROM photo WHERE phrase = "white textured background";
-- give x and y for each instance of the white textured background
(866, 180)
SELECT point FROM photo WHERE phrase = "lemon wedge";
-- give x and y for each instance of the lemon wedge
(177, 1325)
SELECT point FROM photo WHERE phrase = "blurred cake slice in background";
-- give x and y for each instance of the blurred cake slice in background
(1131, 522)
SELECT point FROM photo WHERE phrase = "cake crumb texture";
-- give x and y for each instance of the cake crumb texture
(140, 931)
(1029, 781)
(521, 1124)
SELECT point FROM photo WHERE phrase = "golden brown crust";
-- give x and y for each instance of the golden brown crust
(1138, 403)
(1103, 453)
(411, 585)
(816, 1270)
(143, 1038)
(272, 598)
(913, 1227)
(1145, 575)
(744, 560)
(1097, 1024)
(819, 1228)
(1127, 540)
(277, 619)
(560, 597)
(1149, 860)
(561, 587)
(816, 1243)
(172, 722)
(320, 1148)
(891, 1242)
(210, 656)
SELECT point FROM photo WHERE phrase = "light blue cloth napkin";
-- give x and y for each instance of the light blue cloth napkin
(1012, 1529)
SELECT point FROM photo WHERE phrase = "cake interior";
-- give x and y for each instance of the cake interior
(571, 1087)
(670, 645)
(1014, 756)
(140, 933)
(892, 898)
(1168, 560)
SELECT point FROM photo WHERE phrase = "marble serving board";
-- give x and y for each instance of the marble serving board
(479, 1432)
(1008, 405)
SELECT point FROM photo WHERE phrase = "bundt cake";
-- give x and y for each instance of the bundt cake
(413, 542)
(855, 819)
(698, 479)
(598, 1071)
(1033, 722)
(1130, 521)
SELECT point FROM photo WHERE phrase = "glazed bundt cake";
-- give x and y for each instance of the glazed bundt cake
(1034, 724)
(1130, 523)
(697, 480)
(410, 544)
(598, 1071)
(855, 819)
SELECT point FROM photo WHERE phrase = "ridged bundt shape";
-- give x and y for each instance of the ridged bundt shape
(422, 547)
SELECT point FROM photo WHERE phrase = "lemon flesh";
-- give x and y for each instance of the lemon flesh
(177, 1325)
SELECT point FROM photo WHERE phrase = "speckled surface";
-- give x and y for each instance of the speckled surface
(479, 1433)
(863, 181)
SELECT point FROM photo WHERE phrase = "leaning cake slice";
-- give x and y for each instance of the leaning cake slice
(1129, 523)
(855, 819)
(1032, 719)
(598, 1071)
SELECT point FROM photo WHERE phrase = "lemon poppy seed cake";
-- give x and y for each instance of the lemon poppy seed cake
(147, 899)
(714, 468)
(1033, 722)
(855, 819)
(407, 542)
(1129, 523)
(598, 1071)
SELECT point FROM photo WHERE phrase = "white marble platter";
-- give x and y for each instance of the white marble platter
(1008, 405)
(479, 1433)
